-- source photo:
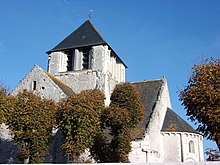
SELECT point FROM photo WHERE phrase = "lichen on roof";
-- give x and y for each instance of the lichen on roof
(174, 123)
(171, 127)
(149, 92)
(67, 90)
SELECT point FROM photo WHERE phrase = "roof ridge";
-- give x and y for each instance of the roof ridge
(35, 66)
(84, 35)
(144, 81)
(96, 30)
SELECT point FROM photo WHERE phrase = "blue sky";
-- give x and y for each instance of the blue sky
(154, 38)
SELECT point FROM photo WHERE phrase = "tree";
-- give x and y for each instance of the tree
(123, 114)
(101, 150)
(201, 98)
(213, 154)
(83, 118)
(117, 120)
(126, 96)
(79, 120)
(3, 94)
(31, 119)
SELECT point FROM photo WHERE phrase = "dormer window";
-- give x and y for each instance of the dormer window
(78, 59)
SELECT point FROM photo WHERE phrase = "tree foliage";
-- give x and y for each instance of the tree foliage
(213, 154)
(30, 120)
(3, 94)
(201, 98)
(101, 150)
(125, 112)
(83, 119)
(79, 120)
(126, 96)
(128, 112)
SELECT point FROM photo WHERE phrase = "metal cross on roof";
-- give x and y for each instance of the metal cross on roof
(90, 14)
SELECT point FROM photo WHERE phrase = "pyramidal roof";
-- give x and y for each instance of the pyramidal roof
(85, 35)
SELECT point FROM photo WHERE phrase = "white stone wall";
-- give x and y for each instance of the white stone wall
(77, 60)
(172, 147)
(156, 122)
(57, 62)
(104, 74)
(138, 152)
(44, 85)
(158, 147)
(79, 80)
(150, 148)
(176, 147)
(196, 156)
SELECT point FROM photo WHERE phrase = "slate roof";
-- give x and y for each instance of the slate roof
(84, 36)
(149, 92)
(174, 123)
(67, 90)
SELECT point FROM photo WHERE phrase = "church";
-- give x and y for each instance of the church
(84, 60)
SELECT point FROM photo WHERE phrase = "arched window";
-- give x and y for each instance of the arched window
(191, 147)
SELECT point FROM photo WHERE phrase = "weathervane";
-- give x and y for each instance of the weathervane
(90, 14)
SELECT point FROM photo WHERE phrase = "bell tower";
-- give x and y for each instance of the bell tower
(84, 60)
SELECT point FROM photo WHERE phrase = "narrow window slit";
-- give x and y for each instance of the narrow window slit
(34, 85)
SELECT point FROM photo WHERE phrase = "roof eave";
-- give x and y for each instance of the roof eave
(75, 47)
(189, 132)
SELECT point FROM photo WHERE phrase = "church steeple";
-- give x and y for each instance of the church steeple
(83, 37)
(84, 60)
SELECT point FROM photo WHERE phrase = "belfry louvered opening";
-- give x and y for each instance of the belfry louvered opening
(78, 59)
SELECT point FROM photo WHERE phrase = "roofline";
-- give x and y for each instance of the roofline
(56, 50)
(96, 30)
(108, 45)
(104, 43)
(117, 56)
(181, 132)
(143, 81)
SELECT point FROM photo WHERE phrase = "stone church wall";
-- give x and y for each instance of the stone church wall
(104, 74)
(197, 153)
(57, 62)
(176, 147)
(79, 80)
(172, 147)
(150, 149)
(37, 81)
(138, 151)
(153, 131)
